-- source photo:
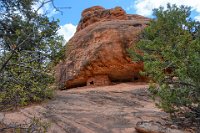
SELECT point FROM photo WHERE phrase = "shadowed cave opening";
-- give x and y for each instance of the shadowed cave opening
(91, 83)
(135, 78)
(137, 25)
(82, 84)
(102, 80)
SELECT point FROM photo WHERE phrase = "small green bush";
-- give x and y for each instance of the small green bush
(36, 125)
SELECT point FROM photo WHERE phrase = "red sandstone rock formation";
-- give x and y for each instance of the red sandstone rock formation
(98, 50)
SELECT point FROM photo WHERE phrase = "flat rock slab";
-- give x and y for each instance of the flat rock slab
(108, 109)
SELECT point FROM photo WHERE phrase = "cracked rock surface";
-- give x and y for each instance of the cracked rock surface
(107, 109)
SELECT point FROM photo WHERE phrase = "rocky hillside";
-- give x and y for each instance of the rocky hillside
(97, 53)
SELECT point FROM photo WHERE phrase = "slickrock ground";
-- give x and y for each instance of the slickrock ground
(109, 109)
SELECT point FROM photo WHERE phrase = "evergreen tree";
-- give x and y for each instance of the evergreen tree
(170, 48)
(28, 43)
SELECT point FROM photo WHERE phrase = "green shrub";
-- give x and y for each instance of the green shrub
(170, 48)
(36, 125)
(29, 42)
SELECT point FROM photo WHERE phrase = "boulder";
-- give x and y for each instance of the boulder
(155, 127)
(98, 50)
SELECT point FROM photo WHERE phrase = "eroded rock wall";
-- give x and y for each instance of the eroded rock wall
(99, 47)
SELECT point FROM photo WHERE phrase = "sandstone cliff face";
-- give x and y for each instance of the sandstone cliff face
(97, 54)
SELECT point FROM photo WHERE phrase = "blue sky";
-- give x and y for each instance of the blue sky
(77, 6)
(70, 17)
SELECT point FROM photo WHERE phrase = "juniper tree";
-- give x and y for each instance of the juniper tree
(170, 48)
(28, 43)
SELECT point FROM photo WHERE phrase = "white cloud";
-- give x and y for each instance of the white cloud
(197, 18)
(144, 7)
(67, 31)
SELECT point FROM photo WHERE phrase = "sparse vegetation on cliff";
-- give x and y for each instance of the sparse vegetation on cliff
(170, 47)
